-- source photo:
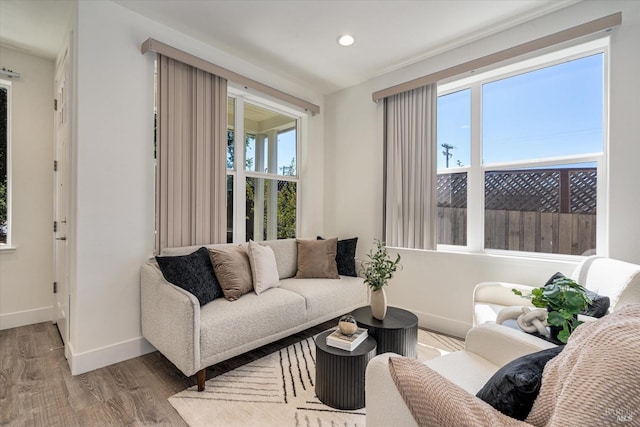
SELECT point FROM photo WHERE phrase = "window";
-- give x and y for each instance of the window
(266, 165)
(521, 155)
(5, 182)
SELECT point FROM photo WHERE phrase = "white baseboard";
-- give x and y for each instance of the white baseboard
(105, 356)
(445, 325)
(26, 317)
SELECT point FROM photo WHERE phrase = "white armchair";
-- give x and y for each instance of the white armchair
(592, 382)
(487, 348)
(618, 280)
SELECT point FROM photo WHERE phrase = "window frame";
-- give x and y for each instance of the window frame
(8, 245)
(239, 172)
(476, 170)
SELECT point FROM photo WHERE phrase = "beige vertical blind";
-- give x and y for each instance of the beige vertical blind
(410, 168)
(191, 152)
(591, 27)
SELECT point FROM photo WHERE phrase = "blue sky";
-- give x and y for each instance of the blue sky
(555, 111)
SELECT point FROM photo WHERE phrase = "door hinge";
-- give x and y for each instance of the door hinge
(55, 287)
(55, 226)
(55, 166)
(55, 105)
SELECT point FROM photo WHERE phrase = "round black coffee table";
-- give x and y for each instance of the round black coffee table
(397, 333)
(340, 373)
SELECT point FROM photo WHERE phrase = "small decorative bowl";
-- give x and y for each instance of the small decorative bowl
(347, 325)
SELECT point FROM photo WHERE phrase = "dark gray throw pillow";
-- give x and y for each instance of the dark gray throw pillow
(346, 256)
(193, 273)
(513, 389)
(599, 303)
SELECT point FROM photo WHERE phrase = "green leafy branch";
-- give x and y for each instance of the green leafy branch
(380, 267)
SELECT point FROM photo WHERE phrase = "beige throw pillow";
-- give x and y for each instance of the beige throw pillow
(233, 271)
(317, 259)
(264, 269)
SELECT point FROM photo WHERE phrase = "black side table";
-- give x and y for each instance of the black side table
(340, 373)
(397, 333)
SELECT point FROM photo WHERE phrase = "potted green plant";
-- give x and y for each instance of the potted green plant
(564, 299)
(378, 270)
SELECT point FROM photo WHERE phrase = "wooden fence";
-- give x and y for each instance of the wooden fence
(546, 232)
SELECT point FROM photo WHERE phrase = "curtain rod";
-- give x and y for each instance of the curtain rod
(152, 45)
(591, 27)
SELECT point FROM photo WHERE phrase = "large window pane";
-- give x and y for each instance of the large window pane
(454, 129)
(271, 209)
(231, 120)
(229, 208)
(554, 111)
(270, 141)
(550, 210)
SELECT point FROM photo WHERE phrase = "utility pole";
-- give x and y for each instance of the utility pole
(447, 153)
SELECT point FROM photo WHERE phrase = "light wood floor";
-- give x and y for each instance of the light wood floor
(37, 389)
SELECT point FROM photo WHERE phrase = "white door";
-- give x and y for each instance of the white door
(60, 247)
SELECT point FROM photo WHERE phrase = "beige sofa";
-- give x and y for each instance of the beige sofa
(194, 337)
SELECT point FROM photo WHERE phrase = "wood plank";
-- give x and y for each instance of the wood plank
(575, 230)
(546, 232)
(564, 234)
(513, 221)
(500, 232)
(489, 229)
(461, 227)
(529, 231)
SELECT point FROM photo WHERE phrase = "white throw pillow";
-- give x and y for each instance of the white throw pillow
(263, 267)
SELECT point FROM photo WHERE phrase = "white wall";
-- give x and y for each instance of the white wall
(114, 175)
(438, 286)
(26, 274)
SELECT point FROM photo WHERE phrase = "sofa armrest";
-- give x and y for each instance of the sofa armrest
(384, 405)
(170, 319)
(500, 344)
(500, 293)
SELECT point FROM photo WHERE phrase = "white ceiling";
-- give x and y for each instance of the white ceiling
(297, 38)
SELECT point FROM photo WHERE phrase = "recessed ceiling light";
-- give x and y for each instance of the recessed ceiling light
(346, 39)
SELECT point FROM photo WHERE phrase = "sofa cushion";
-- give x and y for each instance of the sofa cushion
(599, 303)
(286, 253)
(324, 297)
(193, 273)
(514, 387)
(346, 256)
(227, 325)
(233, 270)
(264, 269)
(317, 259)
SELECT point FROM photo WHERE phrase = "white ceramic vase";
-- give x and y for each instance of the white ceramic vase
(378, 304)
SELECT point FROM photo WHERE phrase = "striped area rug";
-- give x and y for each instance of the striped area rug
(278, 390)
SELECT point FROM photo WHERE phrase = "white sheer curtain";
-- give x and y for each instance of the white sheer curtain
(410, 168)
(191, 150)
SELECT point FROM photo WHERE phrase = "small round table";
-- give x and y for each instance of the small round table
(397, 333)
(340, 373)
